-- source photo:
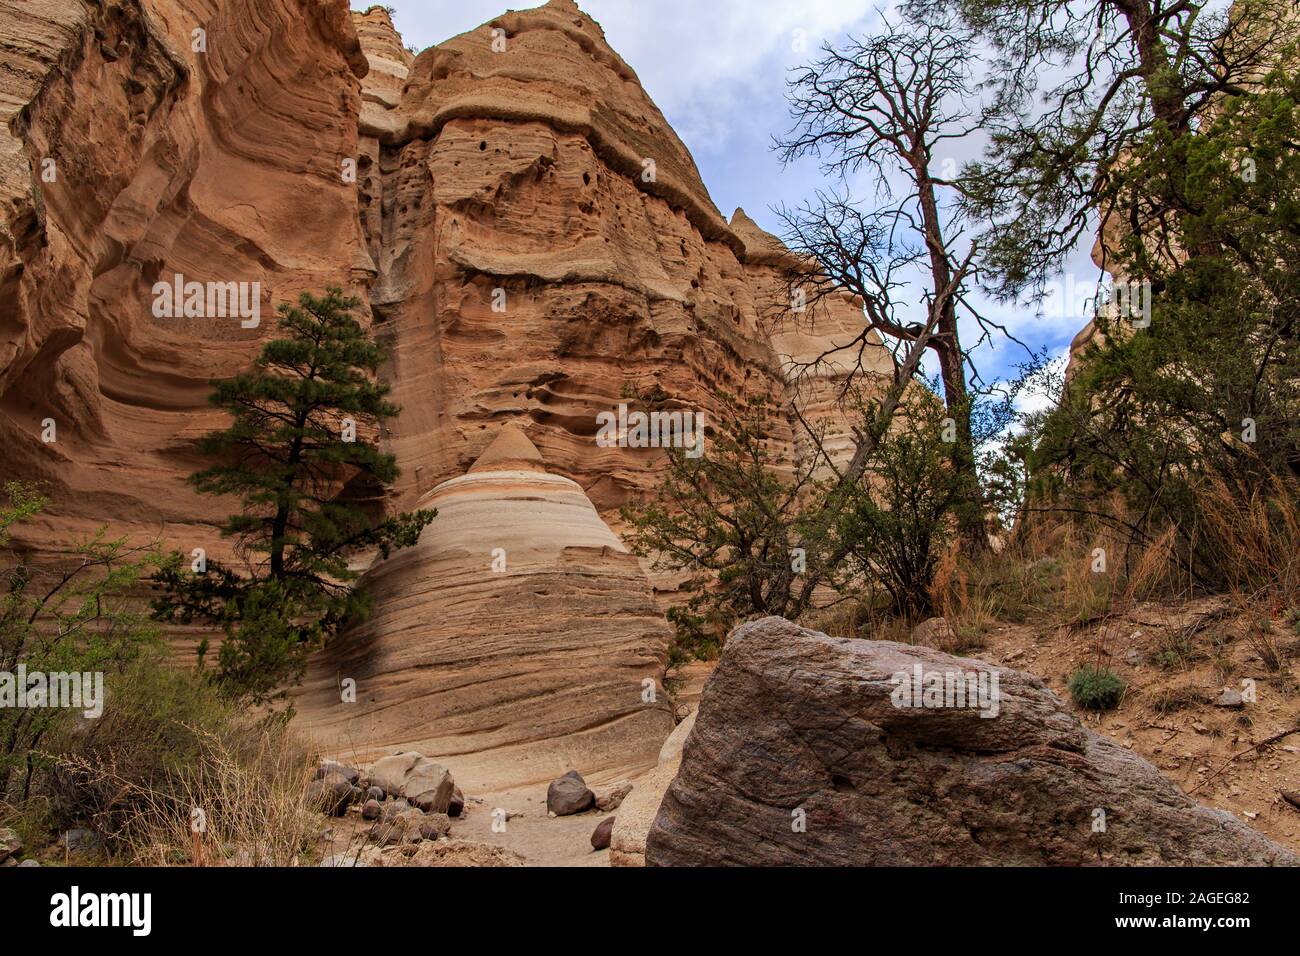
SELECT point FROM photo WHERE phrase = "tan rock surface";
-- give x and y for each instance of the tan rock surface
(817, 750)
(517, 252)
(816, 348)
(637, 814)
(519, 217)
(511, 675)
(222, 165)
(511, 178)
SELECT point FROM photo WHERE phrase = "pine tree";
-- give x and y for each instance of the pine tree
(300, 456)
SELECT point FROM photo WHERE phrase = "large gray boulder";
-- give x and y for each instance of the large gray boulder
(816, 750)
(332, 794)
(11, 843)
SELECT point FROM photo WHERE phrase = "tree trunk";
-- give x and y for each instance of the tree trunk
(947, 345)
(281, 521)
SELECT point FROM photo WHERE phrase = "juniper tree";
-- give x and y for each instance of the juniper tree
(300, 454)
(1202, 405)
(732, 521)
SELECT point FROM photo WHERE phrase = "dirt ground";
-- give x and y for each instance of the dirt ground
(1175, 659)
(557, 841)
(529, 832)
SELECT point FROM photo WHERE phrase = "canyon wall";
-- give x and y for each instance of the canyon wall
(138, 149)
(523, 197)
(519, 255)
(529, 238)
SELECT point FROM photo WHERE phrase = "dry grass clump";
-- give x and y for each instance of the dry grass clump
(242, 802)
(1254, 535)
(1256, 539)
(173, 774)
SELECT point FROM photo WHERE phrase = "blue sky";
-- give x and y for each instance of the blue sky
(717, 70)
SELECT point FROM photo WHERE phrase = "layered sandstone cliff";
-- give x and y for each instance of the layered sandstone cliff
(530, 239)
(138, 149)
(524, 196)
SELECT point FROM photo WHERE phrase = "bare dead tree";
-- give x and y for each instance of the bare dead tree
(869, 437)
(882, 105)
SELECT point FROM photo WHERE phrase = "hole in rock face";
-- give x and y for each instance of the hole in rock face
(586, 179)
(842, 784)
(482, 145)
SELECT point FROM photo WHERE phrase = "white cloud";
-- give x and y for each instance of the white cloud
(678, 47)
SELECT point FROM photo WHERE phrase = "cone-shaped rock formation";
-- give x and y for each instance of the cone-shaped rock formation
(512, 643)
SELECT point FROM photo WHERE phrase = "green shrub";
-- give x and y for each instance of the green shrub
(309, 493)
(900, 517)
(730, 519)
(1096, 688)
(70, 616)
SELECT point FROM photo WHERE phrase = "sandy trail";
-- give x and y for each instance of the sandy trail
(540, 839)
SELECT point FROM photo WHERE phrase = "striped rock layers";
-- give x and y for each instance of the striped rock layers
(517, 640)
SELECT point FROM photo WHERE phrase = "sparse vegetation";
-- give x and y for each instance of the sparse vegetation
(752, 538)
(899, 519)
(166, 740)
(72, 619)
(248, 778)
(731, 522)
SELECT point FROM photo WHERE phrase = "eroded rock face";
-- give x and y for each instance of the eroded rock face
(530, 236)
(815, 349)
(524, 198)
(136, 151)
(800, 756)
